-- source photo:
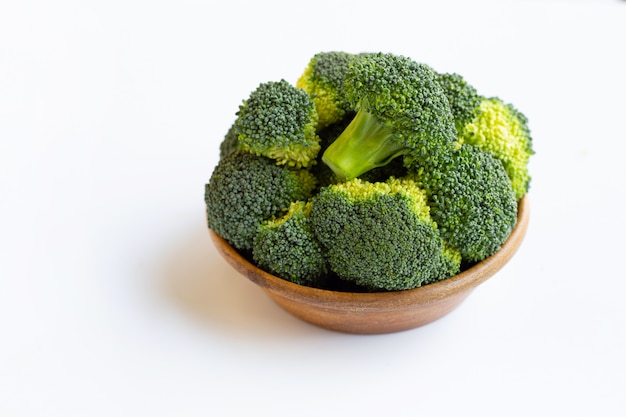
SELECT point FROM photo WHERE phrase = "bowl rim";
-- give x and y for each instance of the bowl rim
(432, 293)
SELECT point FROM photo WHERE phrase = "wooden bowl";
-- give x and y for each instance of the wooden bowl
(378, 312)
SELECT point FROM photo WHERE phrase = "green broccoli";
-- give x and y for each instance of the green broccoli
(502, 130)
(471, 199)
(401, 110)
(323, 79)
(279, 121)
(372, 173)
(287, 248)
(245, 190)
(380, 235)
(492, 125)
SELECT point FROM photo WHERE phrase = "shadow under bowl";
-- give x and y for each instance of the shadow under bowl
(377, 312)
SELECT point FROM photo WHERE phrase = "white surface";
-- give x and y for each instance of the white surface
(114, 301)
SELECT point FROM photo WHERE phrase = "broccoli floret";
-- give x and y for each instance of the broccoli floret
(287, 248)
(279, 121)
(380, 235)
(244, 190)
(323, 79)
(492, 125)
(500, 129)
(471, 199)
(401, 110)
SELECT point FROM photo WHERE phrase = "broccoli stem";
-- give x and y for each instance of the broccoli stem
(366, 143)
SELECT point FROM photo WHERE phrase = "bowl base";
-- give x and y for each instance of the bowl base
(362, 321)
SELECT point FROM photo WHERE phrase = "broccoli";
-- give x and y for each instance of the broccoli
(401, 110)
(372, 173)
(323, 79)
(287, 248)
(471, 199)
(500, 129)
(245, 190)
(279, 121)
(492, 125)
(380, 235)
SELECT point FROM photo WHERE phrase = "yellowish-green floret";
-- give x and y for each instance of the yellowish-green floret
(417, 199)
(502, 130)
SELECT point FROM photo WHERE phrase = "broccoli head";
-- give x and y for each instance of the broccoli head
(500, 129)
(471, 199)
(279, 121)
(245, 190)
(380, 235)
(287, 248)
(401, 110)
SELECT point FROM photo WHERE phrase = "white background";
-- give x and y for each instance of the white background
(114, 302)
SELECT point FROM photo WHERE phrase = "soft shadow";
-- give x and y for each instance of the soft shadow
(209, 291)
